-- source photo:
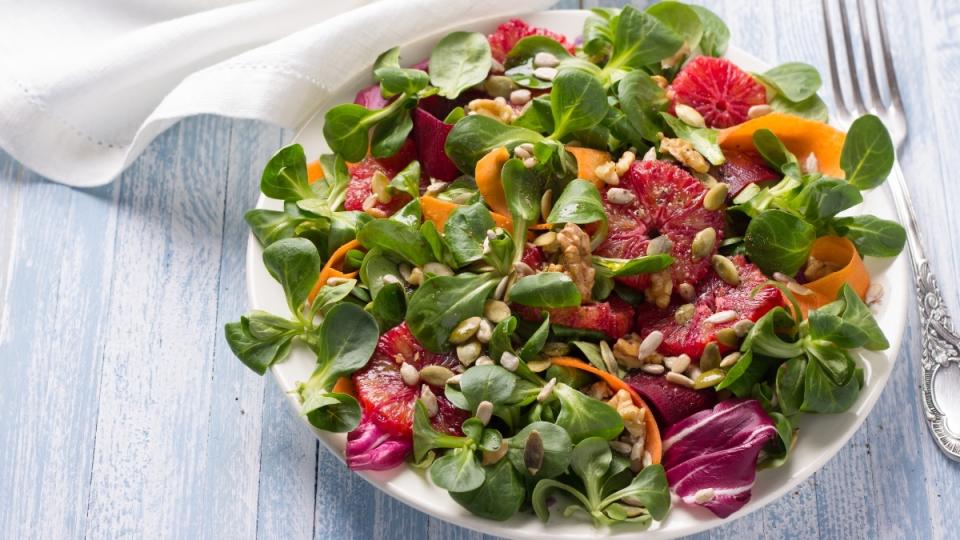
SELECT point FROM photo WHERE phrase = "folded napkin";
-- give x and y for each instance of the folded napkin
(85, 86)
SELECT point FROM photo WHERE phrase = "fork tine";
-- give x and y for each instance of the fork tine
(858, 105)
(873, 84)
(888, 59)
(839, 104)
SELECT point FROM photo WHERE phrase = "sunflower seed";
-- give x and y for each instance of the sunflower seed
(653, 369)
(710, 359)
(811, 165)
(465, 330)
(742, 327)
(555, 348)
(547, 241)
(485, 332)
(496, 310)
(523, 269)
(379, 184)
(533, 453)
(416, 276)
(468, 352)
(435, 375)
(650, 155)
(690, 116)
(429, 400)
(545, 59)
(721, 317)
(437, 269)
(520, 153)
(409, 374)
(520, 97)
(509, 361)
(609, 360)
(500, 291)
(677, 364)
(454, 380)
(798, 289)
(678, 379)
(703, 243)
(730, 360)
(625, 161)
(647, 459)
(485, 361)
(716, 196)
(620, 196)
(547, 390)
(391, 279)
(530, 162)
(546, 203)
(484, 412)
(727, 336)
(725, 268)
(759, 110)
(545, 73)
(686, 291)
(650, 344)
(405, 270)
(620, 447)
(705, 495)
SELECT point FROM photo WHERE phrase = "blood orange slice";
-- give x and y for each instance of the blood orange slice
(718, 90)
(509, 33)
(668, 201)
(613, 318)
(361, 173)
(387, 400)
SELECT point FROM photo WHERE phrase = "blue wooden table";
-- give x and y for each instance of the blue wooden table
(123, 412)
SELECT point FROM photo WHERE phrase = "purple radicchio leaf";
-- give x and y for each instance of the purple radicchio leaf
(430, 135)
(371, 98)
(371, 448)
(711, 457)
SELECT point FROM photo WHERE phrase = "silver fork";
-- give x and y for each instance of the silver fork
(940, 342)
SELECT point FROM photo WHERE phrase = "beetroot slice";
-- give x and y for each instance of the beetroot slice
(670, 403)
(430, 136)
(612, 318)
(371, 98)
(744, 168)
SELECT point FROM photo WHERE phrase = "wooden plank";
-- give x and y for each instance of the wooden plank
(57, 281)
(152, 430)
(10, 182)
(232, 461)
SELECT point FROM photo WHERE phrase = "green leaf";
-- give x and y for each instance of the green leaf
(556, 450)
(329, 295)
(836, 362)
(536, 341)
(295, 264)
(822, 395)
(649, 487)
(796, 81)
(704, 140)
(285, 176)
(487, 383)
(457, 471)
(396, 238)
(579, 203)
(426, 438)
(441, 302)
(591, 351)
(475, 136)
(465, 231)
(500, 338)
(716, 35)
(345, 128)
(584, 417)
(523, 190)
(528, 47)
(640, 40)
(333, 412)
(744, 374)
(344, 343)
(789, 384)
(397, 80)
(825, 198)
(538, 116)
(389, 307)
(408, 180)
(680, 18)
(255, 352)
(777, 241)
(868, 155)
(590, 460)
(499, 497)
(577, 102)
(775, 152)
(642, 101)
(776, 452)
(857, 313)
(764, 339)
(459, 61)
(545, 290)
(812, 108)
(598, 32)
(391, 133)
(829, 327)
(544, 489)
(874, 237)
(647, 264)
(272, 225)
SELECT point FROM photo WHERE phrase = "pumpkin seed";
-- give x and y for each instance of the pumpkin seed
(533, 452)
(609, 360)
(703, 243)
(555, 348)
(499, 86)
(435, 375)
(465, 330)
(725, 268)
(437, 269)
(485, 332)
(727, 336)
(684, 314)
(686, 291)
(429, 400)
(539, 365)
(708, 379)
(496, 310)
(659, 245)
(716, 196)
(710, 359)
(742, 327)
(468, 352)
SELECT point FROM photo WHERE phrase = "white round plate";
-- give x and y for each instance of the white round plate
(820, 436)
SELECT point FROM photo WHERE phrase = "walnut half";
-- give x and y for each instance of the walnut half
(576, 260)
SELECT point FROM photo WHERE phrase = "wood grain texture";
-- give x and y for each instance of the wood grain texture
(125, 414)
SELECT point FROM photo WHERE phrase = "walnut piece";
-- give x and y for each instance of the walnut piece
(575, 258)
(627, 351)
(685, 153)
(632, 416)
(497, 108)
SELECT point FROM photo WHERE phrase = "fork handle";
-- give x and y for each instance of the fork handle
(939, 340)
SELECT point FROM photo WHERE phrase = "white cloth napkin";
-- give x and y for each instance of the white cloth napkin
(86, 85)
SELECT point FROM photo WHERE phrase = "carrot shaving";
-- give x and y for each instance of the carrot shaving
(314, 172)
(329, 269)
(799, 135)
(344, 385)
(489, 182)
(840, 252)
(653, 443)
(588, 160)
(438, 211)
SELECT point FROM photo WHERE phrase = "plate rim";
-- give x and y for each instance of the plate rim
(702, 520)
